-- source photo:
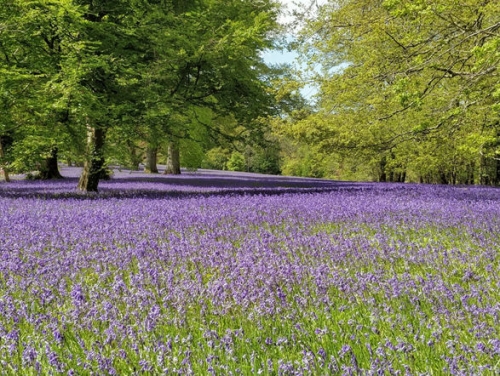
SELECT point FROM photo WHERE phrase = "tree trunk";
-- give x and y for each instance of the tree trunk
(2, 167)
(470, 174)
(173, 159)
(496, 161)
(151, 156)
(391, 177)
(443, 179)
(50, 169)
(382, 175)
(482, 172)
(496, 181)
(402, 177)
(134, 157)
(93, 166)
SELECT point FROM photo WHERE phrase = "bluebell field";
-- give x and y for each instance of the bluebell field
(219, 274)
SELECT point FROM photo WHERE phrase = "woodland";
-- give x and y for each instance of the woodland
(406, 91)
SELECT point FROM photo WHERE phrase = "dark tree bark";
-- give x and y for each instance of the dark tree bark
(496, 167)
(402, 177)
(496, 161)
(2, 156)
(151, 160)
(93, 166)
(383, 175)
(470, 174)
(135, 157)
(391, 177)
(50, 169)
(443, 179)
(173, 159)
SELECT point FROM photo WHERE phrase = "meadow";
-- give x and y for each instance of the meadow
(207, 274)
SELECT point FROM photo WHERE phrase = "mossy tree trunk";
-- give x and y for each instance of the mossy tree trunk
(135, 157)
(2, 163)
(151, 160)
(383, 174)
(50, 169)
(173, 159)
(94, 164)
(496, 160)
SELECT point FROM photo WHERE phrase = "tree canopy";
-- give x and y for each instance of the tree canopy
(83, 77)
(406, 88)
(407, 91)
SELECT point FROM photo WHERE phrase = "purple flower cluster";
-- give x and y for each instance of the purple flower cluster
(248, 275)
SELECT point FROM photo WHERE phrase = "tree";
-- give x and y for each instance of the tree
(97, 77)
(210, 60)
(111, 27)
(398, 73)
(3, 164)
(17, 79)
(35, 39)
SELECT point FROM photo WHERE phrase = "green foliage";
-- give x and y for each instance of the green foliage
(410, 86)
(141, 71)
(236, 162)
(191, 153)
(216, 158)
(206, 65)
(265, 161)
(303, 162)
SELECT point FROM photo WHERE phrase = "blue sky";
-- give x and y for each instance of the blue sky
(276, 57)
(279, 57)
(289, 57)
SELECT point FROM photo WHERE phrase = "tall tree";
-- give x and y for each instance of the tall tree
(109, 27)
(18, 76)
(35, 39)
(3, 165)
(396, 72)
(209, 58)
(84, 70)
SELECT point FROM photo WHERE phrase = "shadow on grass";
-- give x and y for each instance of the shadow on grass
(167, 186)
